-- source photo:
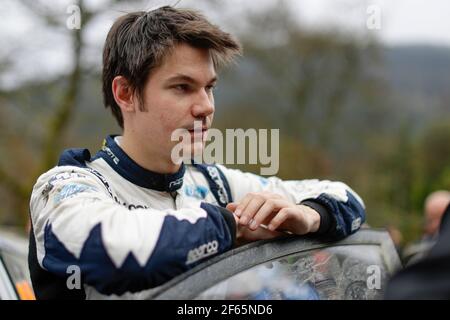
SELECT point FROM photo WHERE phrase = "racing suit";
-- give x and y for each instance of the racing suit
(124, 229)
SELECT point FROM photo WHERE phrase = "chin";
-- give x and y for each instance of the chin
(197, 149)
(192, 150)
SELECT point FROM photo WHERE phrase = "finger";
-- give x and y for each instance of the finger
(232, 206)
(236, 219)
(259, 234)
(269, 218)
(243, 203)
(270, 206)
(279, 218)
(251, 209)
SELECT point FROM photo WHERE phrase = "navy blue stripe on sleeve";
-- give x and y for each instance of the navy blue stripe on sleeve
(181, 246)
(348, 216)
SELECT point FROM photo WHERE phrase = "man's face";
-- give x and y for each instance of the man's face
(176, 94)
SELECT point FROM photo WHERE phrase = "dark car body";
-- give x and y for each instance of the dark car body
(290, 268)
(294, 267)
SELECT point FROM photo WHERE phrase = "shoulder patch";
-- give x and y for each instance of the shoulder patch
(70, 190)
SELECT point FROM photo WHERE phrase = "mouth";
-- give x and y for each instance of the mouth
(204, 129)
(198, 134)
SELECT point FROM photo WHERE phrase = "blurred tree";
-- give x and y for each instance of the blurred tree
(39, 145)
(432, 156)
(58, 121)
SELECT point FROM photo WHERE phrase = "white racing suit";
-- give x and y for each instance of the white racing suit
(124, 229)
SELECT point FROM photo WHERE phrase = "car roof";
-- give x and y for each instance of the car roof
(237, 260)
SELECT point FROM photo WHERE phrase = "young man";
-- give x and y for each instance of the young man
(130, 218)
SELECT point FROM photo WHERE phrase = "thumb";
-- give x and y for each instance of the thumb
(231, 206)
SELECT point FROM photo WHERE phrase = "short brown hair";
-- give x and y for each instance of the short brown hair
(138, 41)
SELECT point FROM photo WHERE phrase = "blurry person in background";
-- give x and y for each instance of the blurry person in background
(435, 205)
(428, 278)
(434, 208)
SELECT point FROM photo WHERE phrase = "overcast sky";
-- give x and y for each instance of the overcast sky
(402, 21)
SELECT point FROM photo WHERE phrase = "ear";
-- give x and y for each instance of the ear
(123, 94)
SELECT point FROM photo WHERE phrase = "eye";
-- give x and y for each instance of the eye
(210, 87)
(182, 87)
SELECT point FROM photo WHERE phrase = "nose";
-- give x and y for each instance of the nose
(203, 105)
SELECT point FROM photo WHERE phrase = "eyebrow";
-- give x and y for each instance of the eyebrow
(186, 78)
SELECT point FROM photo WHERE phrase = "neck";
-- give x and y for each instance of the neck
(151, 160)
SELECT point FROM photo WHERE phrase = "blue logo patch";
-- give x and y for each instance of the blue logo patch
(70, 190)
(198, 192)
